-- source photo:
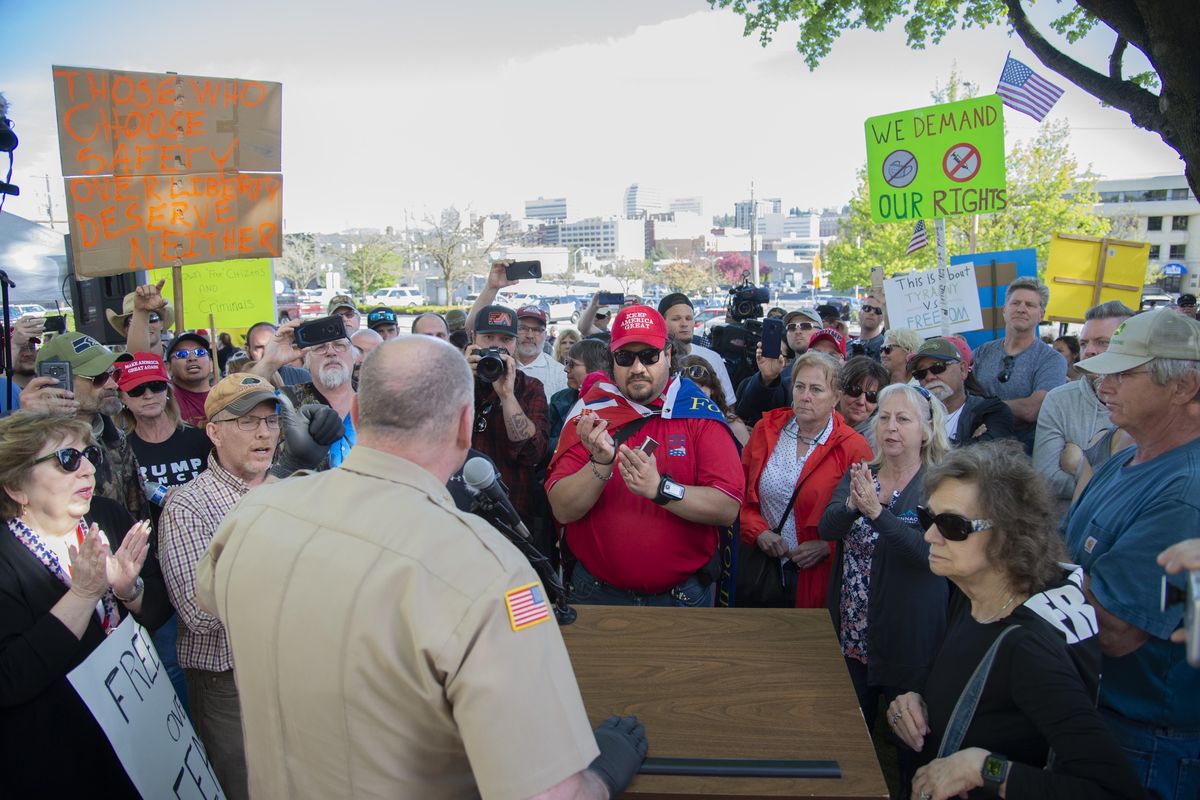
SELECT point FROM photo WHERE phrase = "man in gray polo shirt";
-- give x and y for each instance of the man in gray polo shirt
(1020, 368)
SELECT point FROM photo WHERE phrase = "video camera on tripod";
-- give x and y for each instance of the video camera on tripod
(736, 340)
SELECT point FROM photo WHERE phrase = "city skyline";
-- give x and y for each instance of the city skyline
(413, 108)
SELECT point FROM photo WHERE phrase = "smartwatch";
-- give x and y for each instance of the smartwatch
(668, 490)
(995, 773)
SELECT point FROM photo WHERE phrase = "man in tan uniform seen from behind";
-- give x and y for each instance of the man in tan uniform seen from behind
(388, 645)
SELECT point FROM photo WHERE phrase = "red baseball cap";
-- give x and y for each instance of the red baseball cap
(829, 335)
(638, 325)
(141, 368)
(532, 312)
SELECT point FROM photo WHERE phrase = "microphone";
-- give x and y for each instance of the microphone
(479, 474)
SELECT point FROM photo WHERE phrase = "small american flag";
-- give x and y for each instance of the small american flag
(919, 239)
(1026, 91)
(526, 606)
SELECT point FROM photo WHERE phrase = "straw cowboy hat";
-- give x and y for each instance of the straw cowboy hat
(118, 320)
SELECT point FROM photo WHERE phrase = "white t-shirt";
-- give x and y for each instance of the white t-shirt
(952, 422)
(546, 370)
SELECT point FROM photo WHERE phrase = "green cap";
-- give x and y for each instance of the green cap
(456, 319)
(1147, 336)
(88, 357)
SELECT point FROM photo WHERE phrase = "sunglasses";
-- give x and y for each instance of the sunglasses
(856, 391)
(792, 327)
(954, 527)
(698, 373)
(148, 386)
(888, 348)
(872, 309)
(625, 358)
(198, 352)
(933, 369)
(69, 457)
(1007, 372)
(105, 377)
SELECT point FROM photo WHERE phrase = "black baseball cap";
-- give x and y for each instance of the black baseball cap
(828, 310)
(1186, 300)
(188, 336)
(381, 315)
(496, 319)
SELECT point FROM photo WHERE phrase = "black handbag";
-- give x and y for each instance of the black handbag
(760, 581)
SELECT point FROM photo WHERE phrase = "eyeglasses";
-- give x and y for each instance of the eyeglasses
(933, 369)
(104, 377)
(1119, 377)
(856, 391)
(872, 309)
(154, 317)
(954, 527)
(625, 358)
(250, 422)
(340, 346)
(529, 329)
(149, 386)
(698, 372)
(1007, 372)
(69, 457)
(888, 348)
(792, 327)
(199, 352)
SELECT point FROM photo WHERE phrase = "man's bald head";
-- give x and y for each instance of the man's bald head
(413, 388)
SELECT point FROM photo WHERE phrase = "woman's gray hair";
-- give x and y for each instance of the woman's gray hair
(931, 415)
(831, 366)
(907, 338)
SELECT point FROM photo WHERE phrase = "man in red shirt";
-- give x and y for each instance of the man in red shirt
(189, 360)
(646, 537)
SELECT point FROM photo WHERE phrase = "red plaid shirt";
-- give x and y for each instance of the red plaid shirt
(517, 461)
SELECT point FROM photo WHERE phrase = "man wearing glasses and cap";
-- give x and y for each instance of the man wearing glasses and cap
(767, 389)
(943, 367)
(93, 397)
(1140, 502)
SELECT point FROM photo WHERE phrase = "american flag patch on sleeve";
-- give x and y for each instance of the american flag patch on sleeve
(526, 606)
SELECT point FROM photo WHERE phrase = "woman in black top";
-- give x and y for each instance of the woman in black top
(990, 529)
(71, 568)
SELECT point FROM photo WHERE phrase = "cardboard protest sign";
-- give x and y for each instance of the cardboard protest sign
(1083, 271)
(993, 273)
(165, 170)
(125, 686)
(915, 300)
(237, 294)
(937, 161)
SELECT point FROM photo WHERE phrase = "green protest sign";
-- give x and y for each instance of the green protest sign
(937, 161)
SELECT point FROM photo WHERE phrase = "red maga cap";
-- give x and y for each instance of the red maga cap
(638, 324)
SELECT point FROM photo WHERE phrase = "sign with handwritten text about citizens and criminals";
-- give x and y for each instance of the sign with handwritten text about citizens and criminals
(238, 294)
(937, 161)
(913, 300)
(165, 169)
(125, 686)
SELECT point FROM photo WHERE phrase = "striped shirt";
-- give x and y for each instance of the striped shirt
(189, 520)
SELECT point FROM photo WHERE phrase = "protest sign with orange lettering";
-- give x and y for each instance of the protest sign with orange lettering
(164, 170)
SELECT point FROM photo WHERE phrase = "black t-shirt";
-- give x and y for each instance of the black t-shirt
(172, 463)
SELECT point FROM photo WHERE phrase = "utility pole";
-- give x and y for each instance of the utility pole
(49, 203)
(753, 232)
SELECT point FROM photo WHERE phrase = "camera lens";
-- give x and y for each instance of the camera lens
(490, 368)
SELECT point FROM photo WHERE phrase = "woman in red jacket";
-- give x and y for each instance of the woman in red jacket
(808, 442)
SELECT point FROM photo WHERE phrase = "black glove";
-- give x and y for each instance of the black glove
(623, 746)
(308, 432)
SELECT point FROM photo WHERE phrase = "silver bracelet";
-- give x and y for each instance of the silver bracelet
(596, 472)
(138, 586)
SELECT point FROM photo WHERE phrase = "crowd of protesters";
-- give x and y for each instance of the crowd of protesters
(983, 526)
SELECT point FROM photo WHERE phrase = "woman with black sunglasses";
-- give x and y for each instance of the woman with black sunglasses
(1009, 705)
(71, 567)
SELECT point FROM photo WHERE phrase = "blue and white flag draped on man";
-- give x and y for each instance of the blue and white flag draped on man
(1024, 90)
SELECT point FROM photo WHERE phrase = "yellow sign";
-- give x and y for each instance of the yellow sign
(1084, 271)
(237, 293)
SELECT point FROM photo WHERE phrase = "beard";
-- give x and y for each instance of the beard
(940, 390)
(331, 376)
(109, 406)
(528, 350)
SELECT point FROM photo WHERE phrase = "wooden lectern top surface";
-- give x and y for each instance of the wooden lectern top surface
(727, 683)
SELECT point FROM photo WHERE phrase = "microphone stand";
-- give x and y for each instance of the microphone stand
(5, 283)
(563, 612)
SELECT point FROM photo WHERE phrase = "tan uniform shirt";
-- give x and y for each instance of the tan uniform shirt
(374, 649)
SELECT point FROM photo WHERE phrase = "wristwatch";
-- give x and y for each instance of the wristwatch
(995, 773)
(138, 586)
(668, 490)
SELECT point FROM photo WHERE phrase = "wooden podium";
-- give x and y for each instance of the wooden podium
(727, 683)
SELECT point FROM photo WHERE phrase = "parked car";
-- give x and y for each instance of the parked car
(287, 306)
(18, 310)
(396, 297)
(702, 318)
(312, 304)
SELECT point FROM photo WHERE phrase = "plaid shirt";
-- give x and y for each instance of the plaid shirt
(516, 461)
(189, 520)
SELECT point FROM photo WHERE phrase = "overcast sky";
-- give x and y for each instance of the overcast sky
(412, 106)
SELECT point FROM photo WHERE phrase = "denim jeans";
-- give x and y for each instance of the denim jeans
(164, 641)
(588, 590)
(217, 717)
(1167, 761)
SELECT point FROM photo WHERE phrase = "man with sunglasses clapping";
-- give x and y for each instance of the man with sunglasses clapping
(943, 367)
(93, 392)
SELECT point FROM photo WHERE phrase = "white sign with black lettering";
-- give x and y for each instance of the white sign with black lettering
(922, 300)
(125, 686)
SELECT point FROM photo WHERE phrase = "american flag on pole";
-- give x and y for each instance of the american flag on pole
(526, 606)
(1026, 91)
(919, 239)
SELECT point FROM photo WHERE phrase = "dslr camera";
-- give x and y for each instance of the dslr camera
(736, 340)
(490, 367)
